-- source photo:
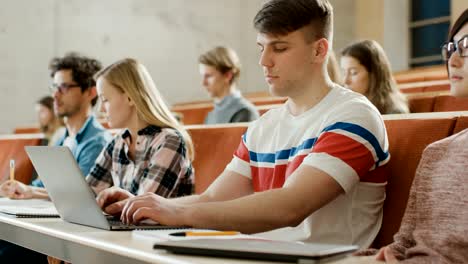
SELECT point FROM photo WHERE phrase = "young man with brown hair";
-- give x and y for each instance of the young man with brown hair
(74, 92)
(310, 170)
(220, 70)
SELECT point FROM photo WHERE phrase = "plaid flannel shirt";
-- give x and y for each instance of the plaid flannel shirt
(161, 164)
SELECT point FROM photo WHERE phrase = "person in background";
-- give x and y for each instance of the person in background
(74, 92)
(367, 71)
(49, 124)
(154, 152)
(220, 71)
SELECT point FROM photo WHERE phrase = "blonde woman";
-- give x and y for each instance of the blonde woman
(220, 70)
(367, 71)
(154, 152)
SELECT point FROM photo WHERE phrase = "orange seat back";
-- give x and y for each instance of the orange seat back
(407, 140)
(461, 124)
(421, 104)
(214, 148)
(12, 147)
(193, 114)
(445, 103)
(27, 130)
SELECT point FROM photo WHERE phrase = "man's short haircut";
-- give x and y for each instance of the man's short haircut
(281, 17)
(224, 60)
(83, 69)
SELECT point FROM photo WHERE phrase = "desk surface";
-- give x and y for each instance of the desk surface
(81, 244)
(57, 238)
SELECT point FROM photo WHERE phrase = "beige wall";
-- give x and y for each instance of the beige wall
(458, 6)
(385, 21)
(166, 35)
(369, 23)
(344, 23)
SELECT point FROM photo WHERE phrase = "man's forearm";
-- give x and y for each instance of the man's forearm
(191, 199)
(263, 211)
(251, 214)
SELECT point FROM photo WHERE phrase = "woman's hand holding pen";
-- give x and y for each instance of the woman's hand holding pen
(16, 190)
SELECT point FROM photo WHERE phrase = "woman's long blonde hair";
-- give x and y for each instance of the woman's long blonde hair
(133, 79)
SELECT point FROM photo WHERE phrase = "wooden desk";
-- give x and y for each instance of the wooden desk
(80, 244)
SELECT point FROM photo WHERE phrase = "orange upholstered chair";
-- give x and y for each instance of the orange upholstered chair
(214, 147)
(12, 147)
(193, 114)
(27, 130)
(421, 104)
(462, 124)
(407, 140)
(450, 103)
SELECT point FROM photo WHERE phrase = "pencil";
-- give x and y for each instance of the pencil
(12, 170)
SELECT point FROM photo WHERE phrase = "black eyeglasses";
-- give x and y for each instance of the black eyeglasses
(62, 88)
(450, 47)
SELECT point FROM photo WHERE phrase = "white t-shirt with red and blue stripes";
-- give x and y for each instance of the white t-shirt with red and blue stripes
(343, 135)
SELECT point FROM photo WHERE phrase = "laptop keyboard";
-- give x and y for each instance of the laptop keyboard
(115, 221)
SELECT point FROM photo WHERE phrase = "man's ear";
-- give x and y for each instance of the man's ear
(321, 50)
(92, 92)
(228, 76)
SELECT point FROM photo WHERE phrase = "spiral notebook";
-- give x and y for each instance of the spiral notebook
(30, 212)
(31, 208)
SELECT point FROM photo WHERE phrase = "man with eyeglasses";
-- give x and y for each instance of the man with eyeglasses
(74, 93)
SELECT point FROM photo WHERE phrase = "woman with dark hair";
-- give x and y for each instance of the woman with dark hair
(49, 124)
(367, 71)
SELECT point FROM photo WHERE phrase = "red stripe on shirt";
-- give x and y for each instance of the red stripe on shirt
(242, 152)
(271, 178)
(350, 151)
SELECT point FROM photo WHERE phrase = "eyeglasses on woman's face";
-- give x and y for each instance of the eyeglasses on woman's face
(451, 47)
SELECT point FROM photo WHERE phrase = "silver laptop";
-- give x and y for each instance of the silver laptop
(259, 249)
(72, 196)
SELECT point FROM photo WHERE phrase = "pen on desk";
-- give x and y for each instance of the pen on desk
(206, 233)
(12, 170)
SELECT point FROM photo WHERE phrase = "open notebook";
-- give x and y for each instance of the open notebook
(30, 208)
